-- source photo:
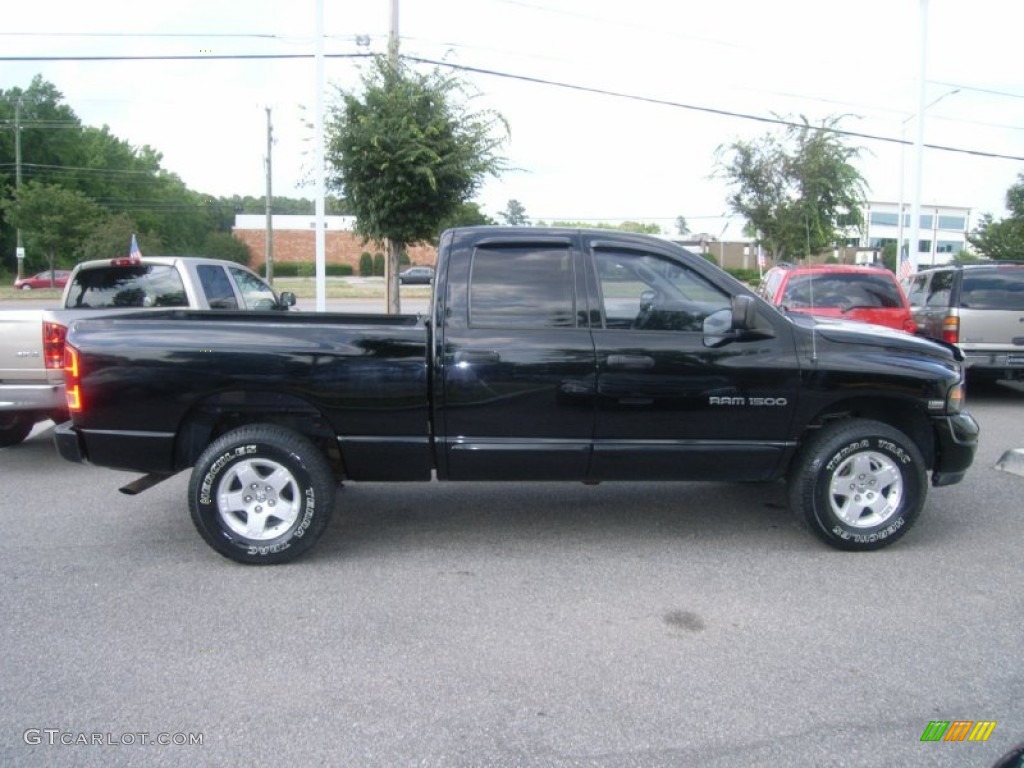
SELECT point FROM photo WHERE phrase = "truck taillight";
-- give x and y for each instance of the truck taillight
(53, 345)
(951, 329)
(72, 383)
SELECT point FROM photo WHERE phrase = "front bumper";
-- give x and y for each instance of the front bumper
(956, 440)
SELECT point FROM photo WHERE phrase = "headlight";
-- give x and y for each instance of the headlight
(955, 398)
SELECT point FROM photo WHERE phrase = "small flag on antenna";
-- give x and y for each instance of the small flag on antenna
(135, 253)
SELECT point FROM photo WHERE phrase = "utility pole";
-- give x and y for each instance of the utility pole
(269, 252)
(393, 34)
(392, 299)
(20, 249)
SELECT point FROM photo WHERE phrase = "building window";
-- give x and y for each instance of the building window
(878, 218)
(948, 246)
(957, 223)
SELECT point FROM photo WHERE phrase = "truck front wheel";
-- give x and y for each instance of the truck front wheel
(859, 484)
(261, 494)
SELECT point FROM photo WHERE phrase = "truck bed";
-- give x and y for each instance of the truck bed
(366, 375)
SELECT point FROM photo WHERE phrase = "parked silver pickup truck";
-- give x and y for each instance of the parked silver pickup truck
(32, 340)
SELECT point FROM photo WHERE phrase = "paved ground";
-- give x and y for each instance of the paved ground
(509, 625)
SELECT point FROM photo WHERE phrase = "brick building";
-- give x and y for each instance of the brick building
(295, 241)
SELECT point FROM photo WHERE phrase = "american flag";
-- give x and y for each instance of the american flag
(135, 253)
(905, 268)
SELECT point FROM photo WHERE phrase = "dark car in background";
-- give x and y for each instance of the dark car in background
(866, 294)
(978, 307)
(417, 276)
(58, 278)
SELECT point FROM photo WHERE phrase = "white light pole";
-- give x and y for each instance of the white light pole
(903, 151)
(915, 207)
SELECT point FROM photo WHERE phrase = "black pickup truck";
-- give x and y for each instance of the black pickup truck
(548, 354)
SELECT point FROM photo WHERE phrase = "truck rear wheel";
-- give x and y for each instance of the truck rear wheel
(14, 427)
(859, 484)
(261, 494)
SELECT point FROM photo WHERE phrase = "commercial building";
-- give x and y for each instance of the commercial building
(942, 234)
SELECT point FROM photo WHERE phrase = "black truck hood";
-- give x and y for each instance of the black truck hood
(837, 331)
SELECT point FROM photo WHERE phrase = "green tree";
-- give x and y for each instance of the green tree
(468, 215)
(889, 256)
(366, 264)
(514, 214)
(111, 236)
(798, 190)
(222, 245)
(55, 221)
(682, 227)
(407, 153)
(624, 226)
(1003, 239)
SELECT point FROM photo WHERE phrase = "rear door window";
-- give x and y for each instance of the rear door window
(217, 287)
(137, 285)
(940, 289)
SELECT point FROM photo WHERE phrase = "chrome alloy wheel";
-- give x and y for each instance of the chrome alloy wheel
(866, 489)
(258, 499)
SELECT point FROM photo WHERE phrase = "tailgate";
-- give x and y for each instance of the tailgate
(21, 345)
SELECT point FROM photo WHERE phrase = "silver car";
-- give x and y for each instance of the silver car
(978, 307)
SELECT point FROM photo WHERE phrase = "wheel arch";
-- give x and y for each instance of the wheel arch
(218, 414)
(905, 416)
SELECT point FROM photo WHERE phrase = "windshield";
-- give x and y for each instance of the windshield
(842, 291)
(993, 289)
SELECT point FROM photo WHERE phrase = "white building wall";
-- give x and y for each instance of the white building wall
(943, 232)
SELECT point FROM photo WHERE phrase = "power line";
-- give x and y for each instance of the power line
(706, 110)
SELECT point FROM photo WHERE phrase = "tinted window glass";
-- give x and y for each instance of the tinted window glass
(255, 293)
(217, 287)
(650, 292)
(521, 288)
(940, 289)
(127, 286)
(993, 289)
(842, 291)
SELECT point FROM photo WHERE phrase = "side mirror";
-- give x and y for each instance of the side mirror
(744, 313)
(286, 299)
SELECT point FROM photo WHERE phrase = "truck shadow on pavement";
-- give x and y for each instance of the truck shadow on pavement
(371, 518)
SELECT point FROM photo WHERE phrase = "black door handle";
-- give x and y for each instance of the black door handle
(630, 361)
(476, 356)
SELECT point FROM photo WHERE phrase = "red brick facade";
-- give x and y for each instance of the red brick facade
(341, 247)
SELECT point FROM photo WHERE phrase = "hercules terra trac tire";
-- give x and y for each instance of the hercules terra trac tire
(261, 494)
(859, 484)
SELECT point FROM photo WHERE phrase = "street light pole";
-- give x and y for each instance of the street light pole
(915, 207)
(903, 151)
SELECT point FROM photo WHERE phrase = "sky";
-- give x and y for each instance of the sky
(679, 80)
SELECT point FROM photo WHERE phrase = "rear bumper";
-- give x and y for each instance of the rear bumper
(135, 451)
(998, 365)
(956, 440)
(32, 397)
(68, 445)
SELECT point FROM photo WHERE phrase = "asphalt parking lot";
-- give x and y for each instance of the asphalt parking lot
(493, 624)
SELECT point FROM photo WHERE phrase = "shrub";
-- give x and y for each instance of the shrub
(366, 264)
(378, 265)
